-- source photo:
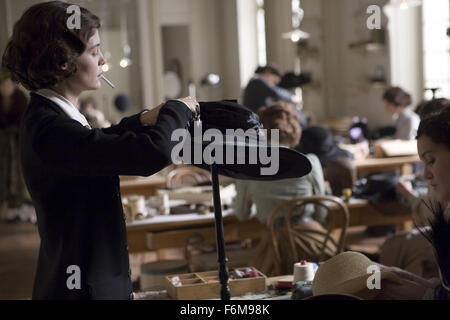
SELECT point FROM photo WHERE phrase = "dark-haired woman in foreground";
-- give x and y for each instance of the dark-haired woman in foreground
(71, 171)
(434, 150)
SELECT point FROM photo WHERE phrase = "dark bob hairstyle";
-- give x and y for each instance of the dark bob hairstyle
(398, 97)
(283, 117)
(437, 128)
(42, 43)
(270, 68)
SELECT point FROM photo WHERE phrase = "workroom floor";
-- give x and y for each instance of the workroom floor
(19, 248)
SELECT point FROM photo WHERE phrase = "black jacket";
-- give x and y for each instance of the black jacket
(72, 175)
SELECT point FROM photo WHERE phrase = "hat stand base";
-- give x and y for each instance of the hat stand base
(220, 241)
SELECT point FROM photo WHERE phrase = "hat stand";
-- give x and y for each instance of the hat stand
(220, 241)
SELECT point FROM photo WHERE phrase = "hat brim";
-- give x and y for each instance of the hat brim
(358, 286)
(289, 163)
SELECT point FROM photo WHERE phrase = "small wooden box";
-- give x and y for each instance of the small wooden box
(206, 285)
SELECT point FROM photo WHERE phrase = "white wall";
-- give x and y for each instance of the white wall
(314, 97)
(202, 18)
(342, 73)
(278, 21)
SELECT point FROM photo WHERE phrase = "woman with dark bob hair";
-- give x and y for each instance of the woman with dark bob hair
(433, 145)
(396, 100)
(71, 170)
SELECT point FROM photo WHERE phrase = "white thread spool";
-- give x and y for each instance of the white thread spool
(137, 207)
(303, 271)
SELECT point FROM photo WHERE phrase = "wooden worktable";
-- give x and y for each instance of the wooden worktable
(146, 186)
(172, 231)
(372, 165)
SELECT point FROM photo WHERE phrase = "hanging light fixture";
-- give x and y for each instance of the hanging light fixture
(296, 35)
(105, 44)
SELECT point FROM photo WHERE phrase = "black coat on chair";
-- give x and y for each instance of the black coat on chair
(72, 175)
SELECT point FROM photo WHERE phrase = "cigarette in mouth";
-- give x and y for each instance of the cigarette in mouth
(108, 82)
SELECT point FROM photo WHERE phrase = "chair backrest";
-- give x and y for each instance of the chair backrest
(188, 175)
(318, 242)
(341, 174)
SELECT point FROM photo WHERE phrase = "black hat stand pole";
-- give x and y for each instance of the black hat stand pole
(220, 241)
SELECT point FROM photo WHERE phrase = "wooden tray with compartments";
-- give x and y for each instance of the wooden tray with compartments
(206, 285)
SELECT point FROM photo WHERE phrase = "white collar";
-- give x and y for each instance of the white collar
(65, 105)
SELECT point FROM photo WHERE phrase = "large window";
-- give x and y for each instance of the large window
(436, 47)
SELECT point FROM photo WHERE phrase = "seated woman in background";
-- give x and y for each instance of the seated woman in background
(266, 195)
(396, 101)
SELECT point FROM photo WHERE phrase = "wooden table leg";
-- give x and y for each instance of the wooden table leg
(406, 169)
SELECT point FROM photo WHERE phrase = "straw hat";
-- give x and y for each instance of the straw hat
(347, 273)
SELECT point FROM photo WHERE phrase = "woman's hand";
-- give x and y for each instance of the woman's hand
(407, 290)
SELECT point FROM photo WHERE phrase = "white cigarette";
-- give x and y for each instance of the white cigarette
(108, 82)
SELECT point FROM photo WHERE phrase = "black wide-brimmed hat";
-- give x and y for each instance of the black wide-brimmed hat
(244, 154)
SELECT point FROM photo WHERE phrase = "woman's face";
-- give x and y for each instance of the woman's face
(89, 66)
(436, 158)
(390, 108)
